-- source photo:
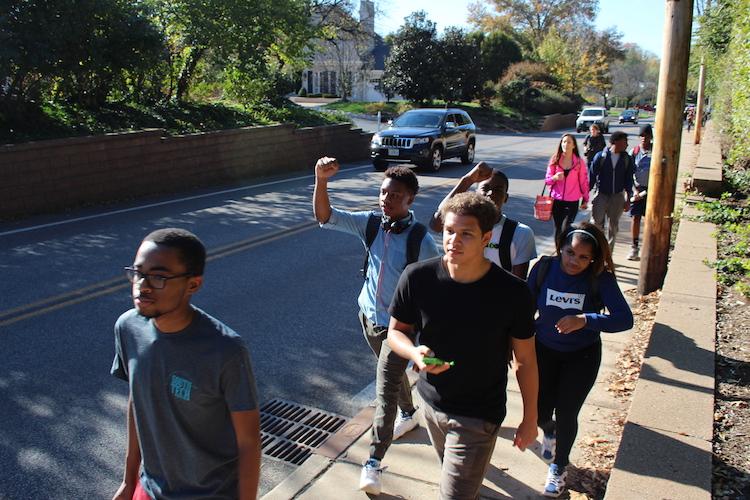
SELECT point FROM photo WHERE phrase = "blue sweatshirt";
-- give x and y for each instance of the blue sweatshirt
(562, 294)
(611, 179)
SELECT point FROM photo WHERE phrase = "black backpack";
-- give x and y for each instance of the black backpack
(413, 240)
(541, 274)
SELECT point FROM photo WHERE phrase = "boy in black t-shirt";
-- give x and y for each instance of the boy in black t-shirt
(469, 313)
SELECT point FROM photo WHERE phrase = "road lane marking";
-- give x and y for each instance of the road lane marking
(163, 203)
(54, 303)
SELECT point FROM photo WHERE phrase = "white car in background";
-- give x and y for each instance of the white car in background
(594, 114)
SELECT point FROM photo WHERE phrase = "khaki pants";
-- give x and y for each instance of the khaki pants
(464, 446)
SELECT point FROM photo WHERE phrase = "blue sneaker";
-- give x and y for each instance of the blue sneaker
(549, 443)
(555, 481)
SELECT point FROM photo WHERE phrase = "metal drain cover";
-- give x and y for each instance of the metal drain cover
(291, 431)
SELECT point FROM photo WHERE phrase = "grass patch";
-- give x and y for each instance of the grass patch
(54, 120)
(497, 117)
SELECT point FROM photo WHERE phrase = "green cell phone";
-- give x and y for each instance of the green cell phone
(435, 361)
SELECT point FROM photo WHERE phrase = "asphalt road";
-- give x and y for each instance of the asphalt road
(286, 286)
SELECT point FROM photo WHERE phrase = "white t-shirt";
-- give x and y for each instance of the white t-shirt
(522, 246)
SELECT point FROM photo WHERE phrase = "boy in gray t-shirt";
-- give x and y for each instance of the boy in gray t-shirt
(193, 421)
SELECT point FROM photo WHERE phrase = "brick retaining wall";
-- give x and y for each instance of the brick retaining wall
(558, 121)
(47, 176)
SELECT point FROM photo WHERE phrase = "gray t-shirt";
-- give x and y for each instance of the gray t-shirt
(184, 386)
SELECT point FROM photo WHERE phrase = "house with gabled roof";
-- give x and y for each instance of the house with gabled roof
(349, 65)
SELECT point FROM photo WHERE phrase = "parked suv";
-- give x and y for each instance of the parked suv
(425, 137)
(592, 115)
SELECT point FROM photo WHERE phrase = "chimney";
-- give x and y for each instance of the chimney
(367, 16)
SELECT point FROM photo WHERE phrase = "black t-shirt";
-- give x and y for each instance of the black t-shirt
(470, 324)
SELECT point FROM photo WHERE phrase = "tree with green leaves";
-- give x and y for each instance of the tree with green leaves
(250, 39)
(75, 50)
(413, 67)
(460, 54)
(498, 51)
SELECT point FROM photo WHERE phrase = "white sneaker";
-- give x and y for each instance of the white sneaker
(633, 255)
(370, 478)
(549, 443)
(404, 423)
(555, 481)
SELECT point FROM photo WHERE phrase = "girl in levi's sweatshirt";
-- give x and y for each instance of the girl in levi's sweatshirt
(571, 290)
(568, 177)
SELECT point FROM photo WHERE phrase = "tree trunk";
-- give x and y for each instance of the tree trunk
(186, 75)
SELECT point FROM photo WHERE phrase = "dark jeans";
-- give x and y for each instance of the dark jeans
(392, 389)
(565, 380)
(564, 214)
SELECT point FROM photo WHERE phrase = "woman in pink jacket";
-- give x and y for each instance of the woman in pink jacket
(569, 180)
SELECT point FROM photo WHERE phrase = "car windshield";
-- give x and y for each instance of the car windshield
(425, 120)
(628, 113)
(592, 112)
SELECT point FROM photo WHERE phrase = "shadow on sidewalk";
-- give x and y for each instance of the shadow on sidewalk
(672, 345)
(678, 461)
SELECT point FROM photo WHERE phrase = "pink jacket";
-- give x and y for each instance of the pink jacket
(574, 186)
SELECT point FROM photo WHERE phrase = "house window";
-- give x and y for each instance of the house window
(333, 83)
(310, 82)
(324, 82)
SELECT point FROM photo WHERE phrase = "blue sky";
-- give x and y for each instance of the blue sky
(640, 21)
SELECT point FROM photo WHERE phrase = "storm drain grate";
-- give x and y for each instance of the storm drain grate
(290, 431)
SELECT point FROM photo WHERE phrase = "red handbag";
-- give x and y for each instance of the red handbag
(543, 206)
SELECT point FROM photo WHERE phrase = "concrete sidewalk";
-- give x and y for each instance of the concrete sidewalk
(413, 468)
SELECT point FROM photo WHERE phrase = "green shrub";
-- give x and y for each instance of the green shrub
(552, 101)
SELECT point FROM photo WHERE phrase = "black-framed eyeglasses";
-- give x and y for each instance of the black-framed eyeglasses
(155, 281)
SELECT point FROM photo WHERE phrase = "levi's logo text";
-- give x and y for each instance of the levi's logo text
(180, 387)
(565, 300)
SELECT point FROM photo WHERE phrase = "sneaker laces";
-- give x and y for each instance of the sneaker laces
(554, 477)
(374, 464)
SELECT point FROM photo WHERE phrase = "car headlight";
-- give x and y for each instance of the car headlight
(421, 140)
(377, 140)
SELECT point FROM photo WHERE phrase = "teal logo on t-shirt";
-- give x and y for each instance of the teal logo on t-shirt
(181, 387)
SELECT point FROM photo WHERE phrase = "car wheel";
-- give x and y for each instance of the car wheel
(468, 156)
(379, 165)
(436, 159)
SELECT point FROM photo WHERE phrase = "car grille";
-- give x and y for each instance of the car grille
(397, 142)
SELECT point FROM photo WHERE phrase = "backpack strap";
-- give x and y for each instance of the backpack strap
(503, 245)
(414, 242)
(371, 232)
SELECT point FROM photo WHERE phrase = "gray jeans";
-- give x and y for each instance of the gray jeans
(464, 446)
(392, 387)
(609, 206)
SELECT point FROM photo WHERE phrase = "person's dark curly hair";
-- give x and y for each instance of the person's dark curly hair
(473, 204)
(617, 135)
(189, 246)
(404, 175)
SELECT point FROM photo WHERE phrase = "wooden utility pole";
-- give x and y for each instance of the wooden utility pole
(699, 104)
(662, 180)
